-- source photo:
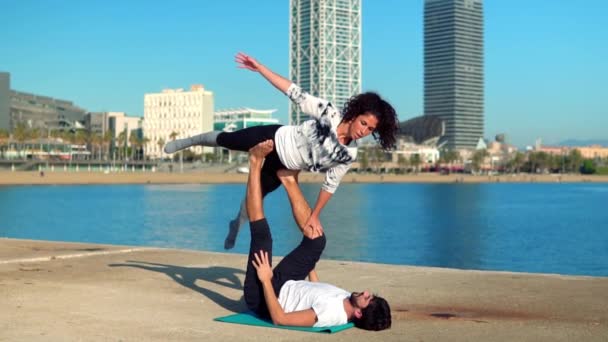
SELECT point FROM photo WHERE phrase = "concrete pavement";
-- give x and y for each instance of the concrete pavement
(55, 291)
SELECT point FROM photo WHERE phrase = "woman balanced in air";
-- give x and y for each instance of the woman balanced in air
(325, 143)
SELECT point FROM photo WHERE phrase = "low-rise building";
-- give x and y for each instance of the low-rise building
(239, 118)
(176, 113)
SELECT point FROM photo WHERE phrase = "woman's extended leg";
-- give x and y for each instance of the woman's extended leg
(241, 140)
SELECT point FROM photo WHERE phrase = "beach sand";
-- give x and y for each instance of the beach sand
(84, 177)
(57, 291)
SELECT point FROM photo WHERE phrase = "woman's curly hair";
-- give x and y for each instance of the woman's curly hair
(372, 103)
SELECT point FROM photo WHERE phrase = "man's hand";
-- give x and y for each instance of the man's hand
(313, 224)
(262, 266)
(246, 62)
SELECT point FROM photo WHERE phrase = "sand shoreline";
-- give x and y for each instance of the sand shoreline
(53, 178)
(61, 291)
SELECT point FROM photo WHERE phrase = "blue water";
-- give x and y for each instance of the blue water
(546, 228)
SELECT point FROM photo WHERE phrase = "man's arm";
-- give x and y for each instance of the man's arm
(304, 318)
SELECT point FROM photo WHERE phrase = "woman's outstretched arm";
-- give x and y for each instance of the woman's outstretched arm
(247, 62)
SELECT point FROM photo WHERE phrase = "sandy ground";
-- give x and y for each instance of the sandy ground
(55, 291)
(83, 177)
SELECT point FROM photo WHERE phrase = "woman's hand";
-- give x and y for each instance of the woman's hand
(314, 224)
(247, 62)
(262, 266)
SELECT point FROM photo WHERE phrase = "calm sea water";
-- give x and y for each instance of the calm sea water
(546, 228)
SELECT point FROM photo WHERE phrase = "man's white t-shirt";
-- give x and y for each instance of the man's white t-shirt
(326, 300)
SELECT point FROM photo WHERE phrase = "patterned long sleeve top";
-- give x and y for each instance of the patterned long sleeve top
(313, 145)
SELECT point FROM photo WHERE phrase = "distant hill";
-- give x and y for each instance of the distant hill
(584, 142)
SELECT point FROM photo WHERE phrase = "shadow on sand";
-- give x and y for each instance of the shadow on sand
(187, 277)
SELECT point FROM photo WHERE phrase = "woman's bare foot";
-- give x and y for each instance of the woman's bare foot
(261, 150)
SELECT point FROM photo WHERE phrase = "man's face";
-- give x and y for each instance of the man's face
(361, 300)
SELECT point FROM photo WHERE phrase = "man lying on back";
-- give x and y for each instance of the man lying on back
(299, 302)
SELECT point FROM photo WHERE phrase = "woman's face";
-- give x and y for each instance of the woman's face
(362, 126)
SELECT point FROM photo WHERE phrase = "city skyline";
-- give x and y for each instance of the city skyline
(544, 61)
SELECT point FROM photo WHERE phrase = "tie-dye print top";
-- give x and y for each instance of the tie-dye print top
(313, 145)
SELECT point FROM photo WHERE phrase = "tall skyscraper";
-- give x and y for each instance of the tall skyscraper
(325, 50)
(453, 68)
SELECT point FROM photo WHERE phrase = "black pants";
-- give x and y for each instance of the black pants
(295, 266)
(244, 139)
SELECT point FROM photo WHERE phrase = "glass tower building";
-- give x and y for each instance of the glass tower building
(453, 68)
(325, 50)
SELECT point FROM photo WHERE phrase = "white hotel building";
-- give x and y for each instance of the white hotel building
(186, 113)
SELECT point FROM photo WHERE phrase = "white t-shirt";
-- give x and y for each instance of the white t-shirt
(313, 145)
(326, 300)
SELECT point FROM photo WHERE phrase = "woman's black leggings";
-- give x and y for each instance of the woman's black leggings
(244, 139)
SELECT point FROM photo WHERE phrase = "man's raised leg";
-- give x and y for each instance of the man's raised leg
(261, 238)
(303, 259)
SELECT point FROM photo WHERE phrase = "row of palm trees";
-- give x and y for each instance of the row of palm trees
(102, 147)
(532, 162)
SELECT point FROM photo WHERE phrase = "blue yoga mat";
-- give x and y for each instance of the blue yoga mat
(250, 318)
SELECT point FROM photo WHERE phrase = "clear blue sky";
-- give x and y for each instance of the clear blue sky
(546, 61)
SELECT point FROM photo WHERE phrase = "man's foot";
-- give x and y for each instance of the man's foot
(233, 231)
(286, 175)
(261, 150)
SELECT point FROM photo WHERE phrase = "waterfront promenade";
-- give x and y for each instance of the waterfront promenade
(56, 291)
(128, 177)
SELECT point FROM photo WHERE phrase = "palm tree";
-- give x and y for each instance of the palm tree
(134, 142)
(80, 138)
(107, 141)
(402, 162)
(449, 156)
(575, 160)
(4, 138)
(172, 136)
(21, 134)
(415, 161)
(142, 143)
(96, 144)
(377, 157)
(364, 160)
(478, 158)
(518, 161)
(88, 140)
(122, 140)
(161, 143)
